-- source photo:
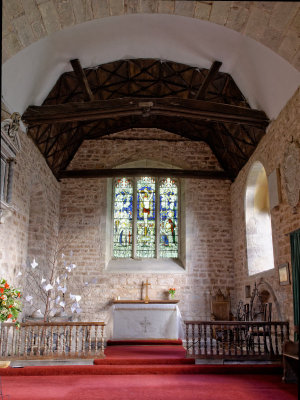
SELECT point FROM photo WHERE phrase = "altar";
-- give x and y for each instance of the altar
(140, 320)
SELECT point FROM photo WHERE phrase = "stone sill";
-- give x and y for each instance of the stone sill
(160, 266)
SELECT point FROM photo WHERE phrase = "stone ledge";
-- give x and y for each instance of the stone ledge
(159, 266)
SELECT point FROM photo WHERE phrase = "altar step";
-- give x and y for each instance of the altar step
(147, 342)
(154, 351)
(140, 370)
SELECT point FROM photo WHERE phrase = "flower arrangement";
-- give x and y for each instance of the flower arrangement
(172, 292)
(10, 305)
(50, 284)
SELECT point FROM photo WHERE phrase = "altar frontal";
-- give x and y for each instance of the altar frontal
(146, 321)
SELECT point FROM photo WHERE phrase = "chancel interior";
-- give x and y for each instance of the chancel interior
(149, 146)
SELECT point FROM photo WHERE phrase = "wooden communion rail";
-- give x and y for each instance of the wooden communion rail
(52, 340)
(236, 339)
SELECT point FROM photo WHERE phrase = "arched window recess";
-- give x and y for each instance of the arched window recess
(260, 256)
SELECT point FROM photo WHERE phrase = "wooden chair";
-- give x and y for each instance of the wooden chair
(220, 307)
(259, 310)
(220, 311)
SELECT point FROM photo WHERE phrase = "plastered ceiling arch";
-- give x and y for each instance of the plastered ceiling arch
(274, 24)
(266, 79)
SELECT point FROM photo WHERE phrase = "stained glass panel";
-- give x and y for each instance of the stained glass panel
(123, 194)
(168, 195)
(145, 241)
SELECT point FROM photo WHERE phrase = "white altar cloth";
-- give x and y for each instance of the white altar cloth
(146, 321)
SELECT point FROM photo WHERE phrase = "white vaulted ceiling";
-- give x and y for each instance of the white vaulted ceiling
(266, 80)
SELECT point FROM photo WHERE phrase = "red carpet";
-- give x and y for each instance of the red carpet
(161, 374)
(140, 370)
(152, 351)
(148, 387)
(142, 361)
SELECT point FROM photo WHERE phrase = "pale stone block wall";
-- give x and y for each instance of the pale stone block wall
(208, 226)
(31, 175)
(270, 152)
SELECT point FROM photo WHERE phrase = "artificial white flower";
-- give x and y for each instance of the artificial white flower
(34, 264)
(48, 287)
(75, 297)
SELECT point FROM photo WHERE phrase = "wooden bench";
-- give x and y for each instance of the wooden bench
(290, 361)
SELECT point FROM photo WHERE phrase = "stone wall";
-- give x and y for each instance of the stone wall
(285, 219)
(35, 201)
(274, 24)
(208, 225)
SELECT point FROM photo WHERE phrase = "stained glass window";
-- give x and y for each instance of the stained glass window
(145, 242)
(168, 218)
(145, 212)
(122, 227)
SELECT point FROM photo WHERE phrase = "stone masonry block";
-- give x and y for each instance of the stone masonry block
(148, 6)
(296, 22)
(24, 31)
(202, 10)
(219, 12)
(7, 26)
(82, 10)
(296, 60)
(5, 57)
(65, 12)
(116, 7)
(272, 38)
(100, 8)
(290, 45)
(283, 14)
(184, 8)
(12, 44)
(50, 17)
(257, 22)
(265, 5)
(166, 6)
(38, 29)
(13, 8)
(31, 10)
(237, 18)
(131, 6)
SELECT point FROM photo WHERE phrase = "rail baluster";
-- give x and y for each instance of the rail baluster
(187, 337)
(199, 339)
(205, 339)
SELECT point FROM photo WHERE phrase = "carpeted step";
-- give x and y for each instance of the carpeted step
(140, 370)
(143, 361)
(144, 351)
(148, 342)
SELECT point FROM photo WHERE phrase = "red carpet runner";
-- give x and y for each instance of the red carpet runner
(146, 372)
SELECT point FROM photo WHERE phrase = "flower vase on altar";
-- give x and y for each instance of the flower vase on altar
(172, 293)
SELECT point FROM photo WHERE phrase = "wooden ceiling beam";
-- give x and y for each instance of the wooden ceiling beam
(167, 106)
(214, 69)
(76, 65)
(159, 172)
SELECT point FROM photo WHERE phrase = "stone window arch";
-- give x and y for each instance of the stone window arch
(260, 255)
